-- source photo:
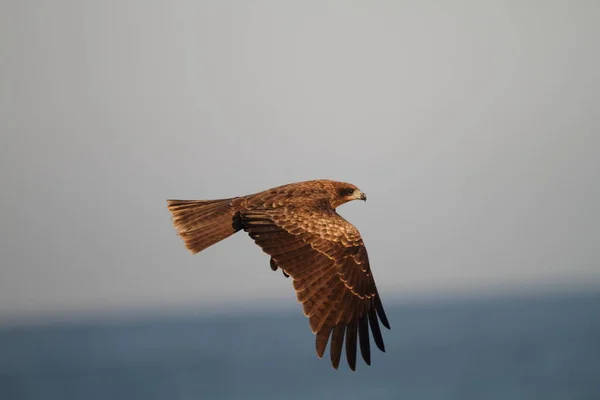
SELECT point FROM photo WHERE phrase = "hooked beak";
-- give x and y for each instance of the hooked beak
(363, 196)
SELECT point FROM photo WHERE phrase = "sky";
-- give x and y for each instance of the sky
(473, 127)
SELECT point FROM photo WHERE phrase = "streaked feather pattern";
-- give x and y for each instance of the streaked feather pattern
(297, 225)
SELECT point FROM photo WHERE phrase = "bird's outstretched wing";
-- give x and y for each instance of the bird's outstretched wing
(328, 262)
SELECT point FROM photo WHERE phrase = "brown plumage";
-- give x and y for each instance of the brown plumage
(297, 225)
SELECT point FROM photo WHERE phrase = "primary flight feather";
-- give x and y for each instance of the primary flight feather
(297, 225)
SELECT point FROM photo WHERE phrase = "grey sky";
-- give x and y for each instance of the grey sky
(473, 126)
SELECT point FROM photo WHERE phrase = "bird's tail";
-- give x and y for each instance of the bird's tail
(202, 223)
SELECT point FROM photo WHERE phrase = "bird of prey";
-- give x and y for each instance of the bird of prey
(297, 225)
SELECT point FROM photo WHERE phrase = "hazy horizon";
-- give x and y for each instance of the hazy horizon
(473, 128)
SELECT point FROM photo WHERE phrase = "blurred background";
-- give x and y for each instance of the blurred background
(473, 126)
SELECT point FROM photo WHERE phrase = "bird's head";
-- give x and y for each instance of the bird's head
(345, 192)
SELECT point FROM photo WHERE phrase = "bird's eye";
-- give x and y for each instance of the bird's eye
(346, 192)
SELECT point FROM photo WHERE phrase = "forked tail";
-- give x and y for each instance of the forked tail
(202, 223)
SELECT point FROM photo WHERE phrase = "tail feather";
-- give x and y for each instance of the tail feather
(202, 223)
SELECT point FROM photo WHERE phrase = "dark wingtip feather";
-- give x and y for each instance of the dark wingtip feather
(321, 342)
(376, 330)
(363, 334)
(351, 345)
(337, 341)
(381, 313)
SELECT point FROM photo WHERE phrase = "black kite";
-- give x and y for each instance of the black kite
(297, 225)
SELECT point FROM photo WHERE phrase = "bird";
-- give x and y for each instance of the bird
(298, 227)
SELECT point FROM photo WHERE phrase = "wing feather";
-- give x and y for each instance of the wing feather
(316, 286)
(337, 341)
(328, 311)
(321, 269)
(351, 344)
(363, 334)
(328, 262)
(376, 330)
(321, 341)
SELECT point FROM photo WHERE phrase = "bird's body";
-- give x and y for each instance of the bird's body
(297, 225)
